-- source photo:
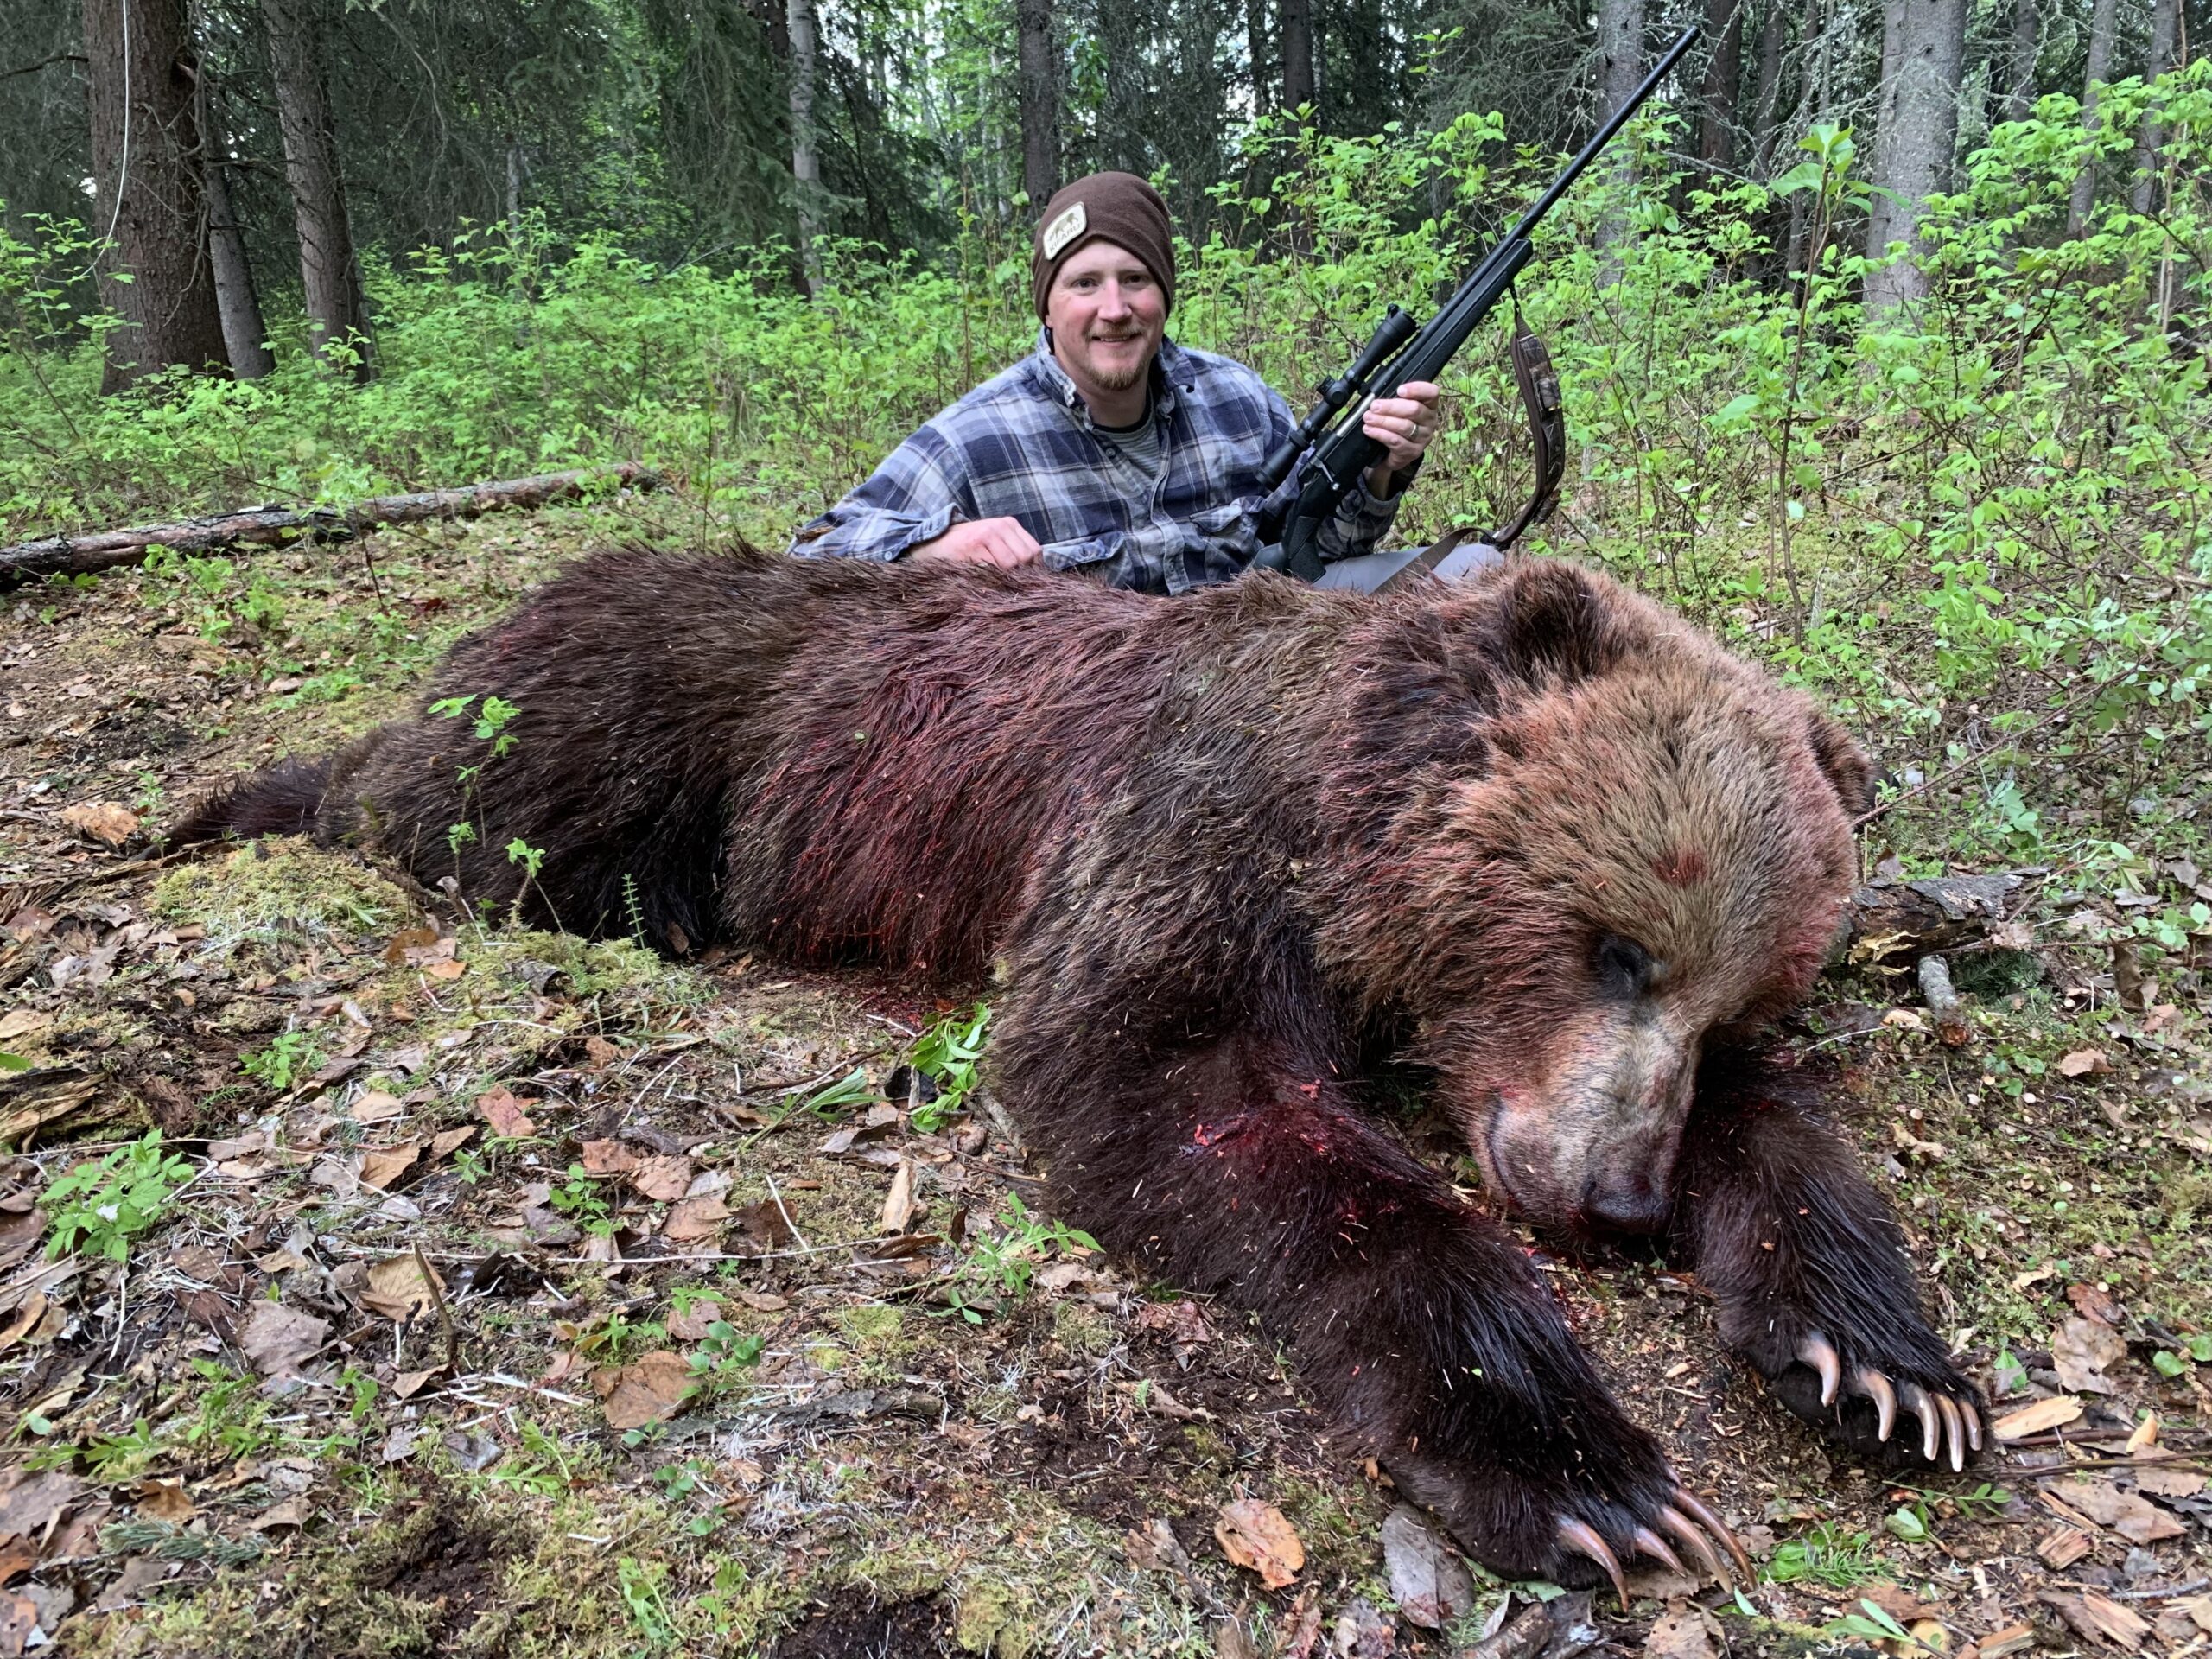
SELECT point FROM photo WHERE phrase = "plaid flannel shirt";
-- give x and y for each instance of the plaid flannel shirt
(1023, 446)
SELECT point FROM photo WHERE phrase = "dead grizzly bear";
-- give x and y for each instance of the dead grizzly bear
(1223, 850)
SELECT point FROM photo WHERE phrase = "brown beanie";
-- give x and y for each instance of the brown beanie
(1116, 207)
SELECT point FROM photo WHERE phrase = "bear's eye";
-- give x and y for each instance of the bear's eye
(1623, 968)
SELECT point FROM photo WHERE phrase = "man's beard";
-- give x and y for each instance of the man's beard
(1119, 379)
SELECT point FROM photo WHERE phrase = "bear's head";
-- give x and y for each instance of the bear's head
(1636, 848)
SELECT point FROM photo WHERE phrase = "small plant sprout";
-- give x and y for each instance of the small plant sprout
(100, 1207)
(290, 1059)
(946, 1053)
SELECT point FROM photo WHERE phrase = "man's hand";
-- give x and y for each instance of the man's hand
(1405, 425)
(1002, 541)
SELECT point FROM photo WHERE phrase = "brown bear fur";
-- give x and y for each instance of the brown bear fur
(1223, 850)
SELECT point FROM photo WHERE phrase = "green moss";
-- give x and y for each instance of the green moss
(279, 888)
(1081, 1329)
(875, 1328)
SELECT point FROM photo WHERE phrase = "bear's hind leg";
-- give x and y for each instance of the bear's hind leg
(1809, 1269)
(1233, 1165)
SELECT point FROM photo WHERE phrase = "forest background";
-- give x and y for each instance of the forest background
(1884, 344)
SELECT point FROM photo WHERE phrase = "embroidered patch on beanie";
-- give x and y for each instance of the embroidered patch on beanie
(1065, 230)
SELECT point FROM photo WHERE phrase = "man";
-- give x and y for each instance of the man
(1111, 451)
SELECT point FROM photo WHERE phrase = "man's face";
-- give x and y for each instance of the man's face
(1107, 315)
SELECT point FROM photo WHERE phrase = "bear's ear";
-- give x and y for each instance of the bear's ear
(1844, 762)
(1551, 626)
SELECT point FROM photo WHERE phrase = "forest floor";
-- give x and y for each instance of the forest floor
(440, 1336)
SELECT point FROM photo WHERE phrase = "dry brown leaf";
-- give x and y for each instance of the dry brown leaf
(382, 1167)
(651, 1390)
(2171, 1483)
(30, 1504)
(452, 967)
(2133, 1518)
(408, 1384)
(899, 1203)
(764, 1223)
(1427, 1580)
(279, 1339)
(2080, 1350)
(374, 1107)
(110, 822)
(398, 1290)
(451, 1142)
(2037, 1419)
(663, 1180)
(692, 1219)
(18, 1618)
(504, 1113)
(1259, 1536)
(689, 1322)
(2199, 1609)
(1680, 1636)
(2083, 1063)
(763, 1301)
(165, 1500)
(608, 1158)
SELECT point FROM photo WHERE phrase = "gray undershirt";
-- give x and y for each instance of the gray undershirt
(1139, 444)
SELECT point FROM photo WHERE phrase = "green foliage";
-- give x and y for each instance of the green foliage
(946, 1053)
(1003, 1255)
(290, 1059)
(102, 1206)
(1828, 1554)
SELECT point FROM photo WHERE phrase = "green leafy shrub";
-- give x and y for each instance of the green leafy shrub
(102, 1206)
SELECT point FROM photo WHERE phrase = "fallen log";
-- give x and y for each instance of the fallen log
(1894, 924)
(74, 555)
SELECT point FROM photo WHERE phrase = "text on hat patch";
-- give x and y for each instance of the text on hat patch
(1063, 229)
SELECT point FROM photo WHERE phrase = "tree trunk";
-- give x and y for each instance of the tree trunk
(1261, 52)
(245, 335)
(1766, 101)
(330, 276)
(1919, 125)
(1296, 22)
(2101, 19)
(2165, 20)
(806, 165)
(1039, 93)
(150, 200)
(1724, 73)
(2027, 25)
(1620, 70)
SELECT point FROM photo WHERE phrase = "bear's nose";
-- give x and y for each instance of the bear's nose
(1628, 1207)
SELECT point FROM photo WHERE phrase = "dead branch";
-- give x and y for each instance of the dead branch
(73, 555)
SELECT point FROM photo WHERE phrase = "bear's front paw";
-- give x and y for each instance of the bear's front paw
(1574, 1529)
(1849, 1392)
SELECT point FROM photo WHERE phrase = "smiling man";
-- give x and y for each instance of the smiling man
(1111, 451)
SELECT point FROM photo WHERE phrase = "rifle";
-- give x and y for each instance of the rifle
(1400, 351)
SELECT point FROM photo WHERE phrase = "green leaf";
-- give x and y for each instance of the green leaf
(2167, 1364)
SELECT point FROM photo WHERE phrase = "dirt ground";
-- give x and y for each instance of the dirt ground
(523, 1296)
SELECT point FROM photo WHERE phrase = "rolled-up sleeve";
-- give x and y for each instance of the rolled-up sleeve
(912, 498)
(1361, 520)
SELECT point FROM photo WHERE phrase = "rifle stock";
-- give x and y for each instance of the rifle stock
(1344, 451)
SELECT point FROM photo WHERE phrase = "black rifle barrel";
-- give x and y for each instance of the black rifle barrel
(1345, 451)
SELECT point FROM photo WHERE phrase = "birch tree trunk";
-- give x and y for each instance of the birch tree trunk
(330, 275)
(150, 196)
(1620, 68)
(2101, 21)
(245, 335)
(806, 164)
(1039, 93)
(1919, 124)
